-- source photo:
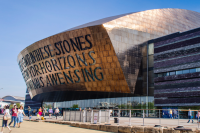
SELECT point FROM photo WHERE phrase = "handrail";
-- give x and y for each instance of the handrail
(135, 109)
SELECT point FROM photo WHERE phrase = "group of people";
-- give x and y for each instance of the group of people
(18, 114)
(190, 116)
(17, 117)
(43, 111)
(173, 114)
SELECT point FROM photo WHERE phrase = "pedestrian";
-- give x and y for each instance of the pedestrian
(170, 114)
(175, 114)
(198, 115)
(29, 111)
(50, 112)
(30, 117)
(44, 111)
(14, 115)
(190, 116)
(57, 112)
(40, 111)
(34, 112)
(6, 117)
(20, 116)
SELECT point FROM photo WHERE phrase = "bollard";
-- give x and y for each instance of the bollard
(91, 116)
(99, 116)
(130, 118)
(143, 118)
(118, 116)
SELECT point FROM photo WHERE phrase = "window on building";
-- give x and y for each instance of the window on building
(197, 69)
(186, 71)
(151, 49)
(172, 73)
(193, 70)
(179, 72)
(166, 74)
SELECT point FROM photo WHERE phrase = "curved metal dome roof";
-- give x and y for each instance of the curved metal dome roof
(15, 97)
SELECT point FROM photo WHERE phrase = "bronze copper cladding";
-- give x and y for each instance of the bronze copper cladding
(101, 56)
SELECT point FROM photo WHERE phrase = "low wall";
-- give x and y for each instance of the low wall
(122, 129)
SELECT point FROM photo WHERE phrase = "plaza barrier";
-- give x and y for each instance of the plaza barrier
(127, 117)
(93, 116)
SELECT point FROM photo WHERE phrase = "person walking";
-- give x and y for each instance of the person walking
(57, 112)
(14, 116)
(6, 116)
(20, 116)
(29, 111)
(170, 114)
(50, 112)
(190, 116)
(44, 111)
(175, 114)
(34, 112)
(198, 115)
(40, 111)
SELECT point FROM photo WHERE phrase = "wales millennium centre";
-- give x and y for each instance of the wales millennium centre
(147, 58)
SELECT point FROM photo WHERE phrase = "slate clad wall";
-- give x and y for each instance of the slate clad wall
(175, 52)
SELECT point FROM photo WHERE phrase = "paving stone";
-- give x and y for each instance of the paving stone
(124, 129)
(73, 124)
(94, 126)
(102, 127)
(137, 129)
(112, 129)
(170, 130)
(85, 126)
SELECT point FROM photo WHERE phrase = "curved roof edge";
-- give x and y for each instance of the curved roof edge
(98, 22)
(16, 97)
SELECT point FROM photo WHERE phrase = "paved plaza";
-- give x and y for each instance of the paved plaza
(135, 121)
(155, 121)
(44, 127)
(36, 127)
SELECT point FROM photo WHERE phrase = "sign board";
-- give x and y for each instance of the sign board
(95, 117)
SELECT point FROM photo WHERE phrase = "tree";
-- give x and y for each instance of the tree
(11, 106)
(75, 106)
(18, 105)
(122, 106)
(49, 106)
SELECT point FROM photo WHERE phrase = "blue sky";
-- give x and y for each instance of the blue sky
(23, 22)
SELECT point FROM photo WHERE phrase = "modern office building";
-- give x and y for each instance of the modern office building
(105, 63)
(177, 69)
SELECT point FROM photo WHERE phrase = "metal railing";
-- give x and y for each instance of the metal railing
(105, 115)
